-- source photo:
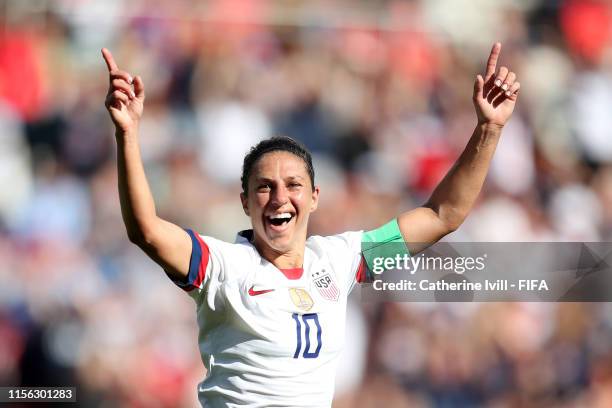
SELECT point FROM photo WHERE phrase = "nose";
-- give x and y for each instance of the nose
(280, 196)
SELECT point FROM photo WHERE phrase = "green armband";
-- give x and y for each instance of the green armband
(383, 242)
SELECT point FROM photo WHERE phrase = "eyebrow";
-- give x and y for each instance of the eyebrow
(265, 179)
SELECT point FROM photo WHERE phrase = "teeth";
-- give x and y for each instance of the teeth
(281, 215)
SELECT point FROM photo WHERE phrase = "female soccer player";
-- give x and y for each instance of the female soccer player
(271, 306)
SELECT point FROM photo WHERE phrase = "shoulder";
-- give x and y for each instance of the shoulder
(240, 251)
(350, 240)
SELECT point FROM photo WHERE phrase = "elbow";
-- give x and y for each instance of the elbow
(140, 237)
(452, 226)
(452, 221)
(135, 237)
(449, 218)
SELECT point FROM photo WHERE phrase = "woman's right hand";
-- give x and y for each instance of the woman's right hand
(124, 104)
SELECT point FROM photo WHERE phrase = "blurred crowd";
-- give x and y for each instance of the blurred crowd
(380, 91)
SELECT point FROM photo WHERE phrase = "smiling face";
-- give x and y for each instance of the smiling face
(279, 201)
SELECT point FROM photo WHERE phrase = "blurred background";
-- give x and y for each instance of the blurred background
(380, 91)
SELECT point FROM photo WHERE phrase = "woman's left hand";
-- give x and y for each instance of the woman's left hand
(495, 95)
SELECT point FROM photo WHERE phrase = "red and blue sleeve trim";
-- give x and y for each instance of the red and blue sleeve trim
(200, 255)
(363, 275)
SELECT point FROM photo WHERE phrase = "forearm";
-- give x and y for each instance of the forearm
(137, 204)
(166, 243)
(454, 197)
(494, 97)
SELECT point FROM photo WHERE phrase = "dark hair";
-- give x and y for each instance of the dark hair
(278, 143)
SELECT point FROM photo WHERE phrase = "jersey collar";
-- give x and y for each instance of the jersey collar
(244, 236)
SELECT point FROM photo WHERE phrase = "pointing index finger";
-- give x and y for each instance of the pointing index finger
(110, 61)
(492, 61)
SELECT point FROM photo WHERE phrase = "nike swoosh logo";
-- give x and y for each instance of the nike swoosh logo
(253, 292)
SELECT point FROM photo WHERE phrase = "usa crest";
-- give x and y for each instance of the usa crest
(326, 286)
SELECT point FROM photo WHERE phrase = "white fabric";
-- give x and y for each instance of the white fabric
(248, 343)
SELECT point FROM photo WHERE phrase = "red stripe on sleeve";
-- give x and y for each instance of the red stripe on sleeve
(203, 262)
(362, 276)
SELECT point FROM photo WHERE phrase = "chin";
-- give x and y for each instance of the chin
(280, 243)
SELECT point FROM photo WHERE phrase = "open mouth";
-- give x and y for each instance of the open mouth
(280, 221)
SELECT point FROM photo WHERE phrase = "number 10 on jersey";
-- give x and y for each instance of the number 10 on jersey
(309, 321)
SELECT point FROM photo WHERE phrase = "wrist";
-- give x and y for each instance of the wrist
(490, 126)
(126, 134)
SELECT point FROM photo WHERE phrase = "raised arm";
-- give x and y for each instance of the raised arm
(494, 98)
(164, 242)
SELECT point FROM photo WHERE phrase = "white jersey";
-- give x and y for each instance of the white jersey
(270, 337)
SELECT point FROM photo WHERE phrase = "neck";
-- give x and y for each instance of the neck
(293, 258)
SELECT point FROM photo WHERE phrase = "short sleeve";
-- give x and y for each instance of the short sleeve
(206, 267)
(352, 253)
(198, 264)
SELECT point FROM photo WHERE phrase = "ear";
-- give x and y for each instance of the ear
(315, 199)
(245, 203)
